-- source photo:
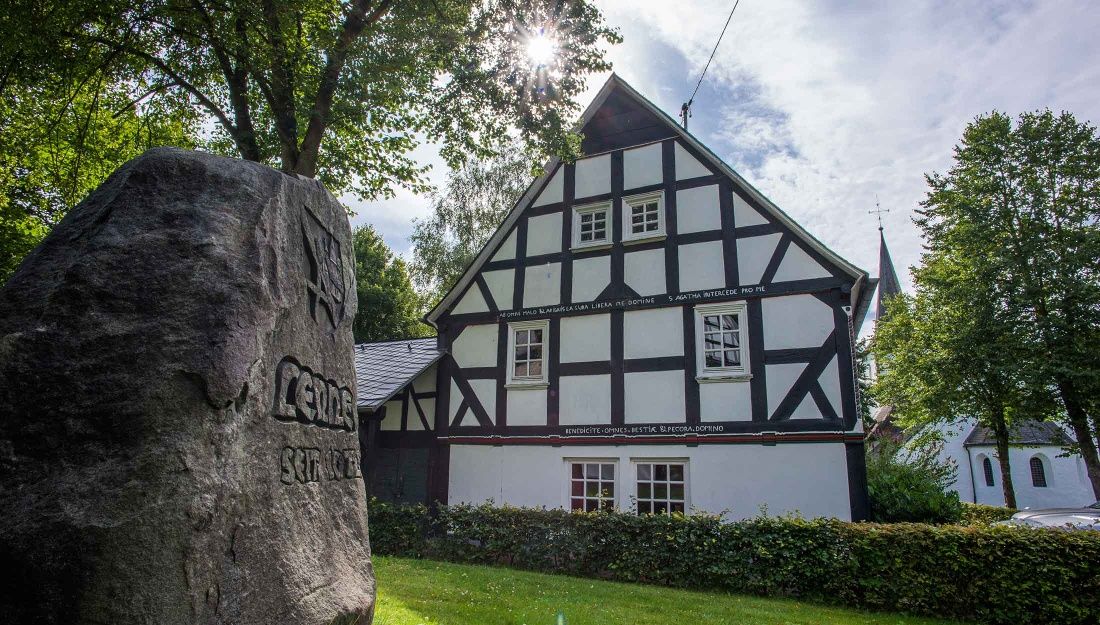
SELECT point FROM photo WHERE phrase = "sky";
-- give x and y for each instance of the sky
(830, 107)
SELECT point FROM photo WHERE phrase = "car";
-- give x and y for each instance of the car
(1086, 518)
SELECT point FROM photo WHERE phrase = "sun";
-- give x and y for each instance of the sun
(541, 49)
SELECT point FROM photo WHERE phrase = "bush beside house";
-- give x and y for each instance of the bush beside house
(987, 574)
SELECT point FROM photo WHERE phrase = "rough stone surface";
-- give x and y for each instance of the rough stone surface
(178, 435)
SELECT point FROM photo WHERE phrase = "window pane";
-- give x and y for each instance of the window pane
(521, 337)
(676, 491)
(592, 471)
(607, 505)
(591, 489)
(645, 471)
(536, 352)
(728, 322)
(651, 226)
(536, 336)
(586, 218)
(644, 490)
(645, 507)
(590, 505)
(576, 504)
(733, 358)
(535, 368)
(522, 353)
(676, 472)
(607, 471)
(660, 507)
(660, 491)
(578, 470)
(713, 359)
(730, 339)
(677, 507)
(660, 471)
(576, 488)
(586, 236)
(710, 323)
(521, 370)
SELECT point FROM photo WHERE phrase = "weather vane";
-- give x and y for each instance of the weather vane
(878, 213)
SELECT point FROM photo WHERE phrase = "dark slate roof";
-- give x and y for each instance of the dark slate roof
(1026, 433)
(383, 369)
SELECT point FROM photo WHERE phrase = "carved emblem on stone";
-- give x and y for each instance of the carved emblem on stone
(326, 284)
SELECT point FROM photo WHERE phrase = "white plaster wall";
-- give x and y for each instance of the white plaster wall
(644, 271)
(425, 382)
(471, 302)
(725, 401)
(526, 406)
(486, 392)
(830, 383)
(553, 191)
(585, 338)
(809, 479)
(654, 397)
(745, 215)
(542, 285)
(653, 332)
(698, 210)
(392, 421)
(798, 265)
(428, 406)
(507, 249)
(753, 254)
(687, 166)
(590, 277)
(544, 234)
(476, 346)
(780, 379)
(593, 176)
(584, 399)
(701, 266)
(455, 400)
(642, 166)
(794, 321)
(501, 285)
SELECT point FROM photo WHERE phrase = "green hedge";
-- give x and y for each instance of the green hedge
(987, 574)
(979, 514)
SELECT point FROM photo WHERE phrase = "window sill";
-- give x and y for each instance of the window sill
(730, 377)
(646, 239)
(592, 247)
(526, 386)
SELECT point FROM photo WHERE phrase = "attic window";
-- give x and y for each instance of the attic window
(591, 225)
(643, 216)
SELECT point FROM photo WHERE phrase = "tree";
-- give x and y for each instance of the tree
(1022, 202)
(477, 198)
(56, 146)
(389, 308)
(341, 90)
(910, 484)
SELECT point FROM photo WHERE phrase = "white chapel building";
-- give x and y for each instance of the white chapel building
(644, 332)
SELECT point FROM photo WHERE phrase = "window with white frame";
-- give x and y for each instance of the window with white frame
(527, 352)
(643, 216)
(592, 225)
(660, 487)
(721, 338)
(591, 485)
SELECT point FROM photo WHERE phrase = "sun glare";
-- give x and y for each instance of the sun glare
(541, 49)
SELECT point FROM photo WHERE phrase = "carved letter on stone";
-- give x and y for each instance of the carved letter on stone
(285, 379)
(305, 397)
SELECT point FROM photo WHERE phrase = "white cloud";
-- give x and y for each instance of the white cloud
(824, 106)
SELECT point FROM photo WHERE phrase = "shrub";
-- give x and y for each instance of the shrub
(995, 575)
(981, 515)
(910, 484)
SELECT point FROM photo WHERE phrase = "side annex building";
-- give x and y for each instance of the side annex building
(646, 332)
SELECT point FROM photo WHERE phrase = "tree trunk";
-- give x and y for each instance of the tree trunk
(1000, 432)
(1079, 421)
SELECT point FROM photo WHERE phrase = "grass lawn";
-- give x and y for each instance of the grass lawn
(415, 592)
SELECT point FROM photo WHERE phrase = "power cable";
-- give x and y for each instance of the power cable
(685, 110)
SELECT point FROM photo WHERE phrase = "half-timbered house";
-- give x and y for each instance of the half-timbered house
(645, 331)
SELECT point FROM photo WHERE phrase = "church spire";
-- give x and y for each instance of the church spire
(888, 285)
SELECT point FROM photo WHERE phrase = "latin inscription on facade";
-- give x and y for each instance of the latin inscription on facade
(642, 430)
(637, 302)
(310, 398)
